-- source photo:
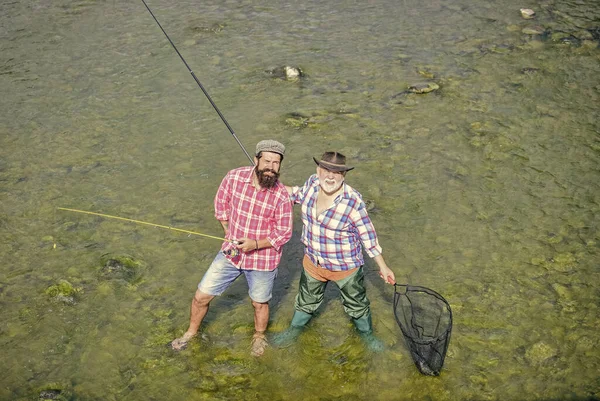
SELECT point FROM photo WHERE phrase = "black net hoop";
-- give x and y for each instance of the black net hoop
(425, 318)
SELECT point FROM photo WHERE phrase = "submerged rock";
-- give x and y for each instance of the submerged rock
(562, 262)
(54, 392)
(426, 73)
(300, 120)
(418, 88)
(566, 38)
(539, 353)
(287, 72)
(200, 29)
(421, 88)
(123, 267)
(297, 120)
(565, 297)
(64, 292)
(370, 205)
(50, 395)
(534, 30)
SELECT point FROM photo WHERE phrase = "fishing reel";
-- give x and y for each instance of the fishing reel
(233, 252)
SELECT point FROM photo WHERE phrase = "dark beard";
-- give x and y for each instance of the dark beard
(267, 181)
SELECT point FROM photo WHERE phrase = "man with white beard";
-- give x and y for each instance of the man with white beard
(335, 229)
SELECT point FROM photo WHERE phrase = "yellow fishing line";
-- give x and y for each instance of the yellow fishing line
(143, 222)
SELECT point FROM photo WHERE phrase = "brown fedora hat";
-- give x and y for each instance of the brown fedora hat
(333, 161)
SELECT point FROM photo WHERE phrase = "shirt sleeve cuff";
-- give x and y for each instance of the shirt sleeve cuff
(275, 244)
(294, 194)
(375, 251)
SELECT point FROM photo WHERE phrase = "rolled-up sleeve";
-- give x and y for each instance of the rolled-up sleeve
(282, 225)
(223, 199)
(366, 230)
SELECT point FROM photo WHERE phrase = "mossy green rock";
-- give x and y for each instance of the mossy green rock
(122, 267)
(64, 292)
(539, 353)
(55, 392)
(563, 262)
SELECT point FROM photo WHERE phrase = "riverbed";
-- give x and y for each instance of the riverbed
(485, 190)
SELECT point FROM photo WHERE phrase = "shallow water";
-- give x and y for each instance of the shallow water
(485, 190)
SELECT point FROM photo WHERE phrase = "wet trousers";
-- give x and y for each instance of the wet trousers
(352, 290)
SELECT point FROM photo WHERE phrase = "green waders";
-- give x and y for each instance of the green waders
(289, 336)
(364, 326)
(355, 301)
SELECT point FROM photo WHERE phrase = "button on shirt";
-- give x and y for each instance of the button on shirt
(255, 214)
(333, 238)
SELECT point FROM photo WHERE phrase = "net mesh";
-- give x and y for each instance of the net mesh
(425, 318)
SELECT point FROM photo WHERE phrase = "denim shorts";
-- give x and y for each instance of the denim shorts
(222, 273)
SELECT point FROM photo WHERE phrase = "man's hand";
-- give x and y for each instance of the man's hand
(387, 275)
(385, 272)
(247, 245)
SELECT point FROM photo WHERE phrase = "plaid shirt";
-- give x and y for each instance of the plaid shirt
(254, 214)
(333, 238)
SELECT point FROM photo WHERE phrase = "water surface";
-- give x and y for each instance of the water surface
(485, 190)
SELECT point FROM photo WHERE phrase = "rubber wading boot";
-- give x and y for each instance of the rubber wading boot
(289, 336)
(364, 326)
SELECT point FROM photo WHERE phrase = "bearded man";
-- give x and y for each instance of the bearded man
(254, 209)
(336, 228)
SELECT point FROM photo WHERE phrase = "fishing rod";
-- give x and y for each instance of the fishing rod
(200, 85)
(147, 223)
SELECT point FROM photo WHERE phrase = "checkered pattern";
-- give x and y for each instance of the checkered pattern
(254, 214)
(333, 239)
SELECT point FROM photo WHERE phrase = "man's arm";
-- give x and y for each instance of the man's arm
(225, 225)
(385, 272)
(222, 202)
(298, 193)
(368, 237)
(248, 245)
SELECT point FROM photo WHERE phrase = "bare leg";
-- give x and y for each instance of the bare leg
(261, 320)
(261, 316)
(198, 310)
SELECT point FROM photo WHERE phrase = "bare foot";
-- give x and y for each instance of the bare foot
(259, 344)
(181, 343)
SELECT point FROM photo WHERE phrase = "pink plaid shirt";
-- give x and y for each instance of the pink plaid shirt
(254, 214)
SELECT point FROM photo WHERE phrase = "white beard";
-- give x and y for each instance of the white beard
(331, 186)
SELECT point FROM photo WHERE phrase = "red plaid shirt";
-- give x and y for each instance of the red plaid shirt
(254, 214)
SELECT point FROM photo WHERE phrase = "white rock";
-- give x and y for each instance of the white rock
(527, 13)
(291, 72)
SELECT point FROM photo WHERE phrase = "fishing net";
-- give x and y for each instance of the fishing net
(425, 319)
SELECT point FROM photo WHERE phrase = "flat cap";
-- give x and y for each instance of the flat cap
(269, 145)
